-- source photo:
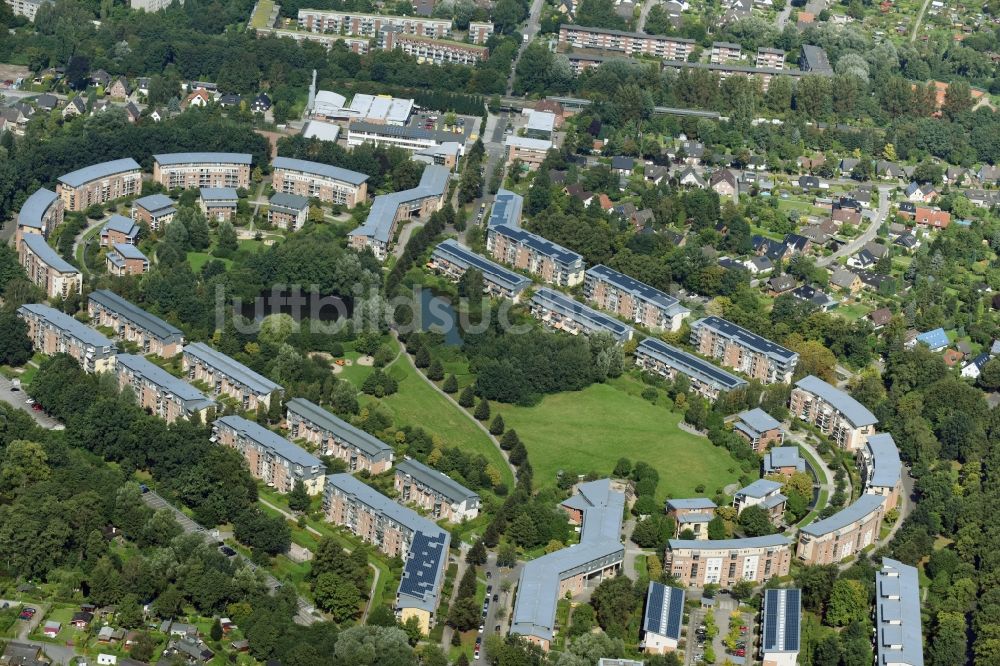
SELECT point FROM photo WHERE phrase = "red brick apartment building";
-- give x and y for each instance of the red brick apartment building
(322, 181)
(99, 183)
(189, 170)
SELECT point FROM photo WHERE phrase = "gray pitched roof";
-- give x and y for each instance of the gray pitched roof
(541, 245)
(95, 171)
(638, 289)
(886, 467)
(690, 503)
(171, 159)
(47, 254)
(897, 615)
(35, 207)
(852, 410)
(748, 339)
(506, 209)
(769, 541)
(759, 420)
(783, 456)
(288, 202)
(121, 224)
(320, 169)
(273, 441)
(589, 318)
(153, 325)
(230, 367)
(437, 481)
(129, 251)
(217, 194)
(191, 397)
(69, 325)
(456, 253)
(382, 214)
(864, 506)
(664, 610)
(690, 365)
(760, 488)
(154, 202)
(313, 413)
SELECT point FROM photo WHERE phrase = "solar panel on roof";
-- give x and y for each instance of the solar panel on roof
(676, 613)
(792, 628)
(654, 608)
(771, 620)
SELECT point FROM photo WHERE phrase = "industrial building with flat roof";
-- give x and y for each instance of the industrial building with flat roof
(374, 109)
(557, 310)
(845, 533)
(46, 269)
(781, 626)
(99, 183)
(725, 562)
(736, 347)
(159, 392)
(133, 324)
(636, 301)
(54, 332)
(453, 259)
(662, 618)
(435, 492)
(598, 509)
(186, 170)
(835, 413)
(228, 377)
(408, 138)
(388, 210)
(396, 531)
(667, 361)
(270, 457)
(325, 182)
(337, 438)
(881, 469)
(898, 636)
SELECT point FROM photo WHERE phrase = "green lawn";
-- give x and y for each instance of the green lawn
(590, 430)
(259, 18)
(199, 259)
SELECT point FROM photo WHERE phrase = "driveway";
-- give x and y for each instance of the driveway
(17, 399)
(530, 29)
(867, 235)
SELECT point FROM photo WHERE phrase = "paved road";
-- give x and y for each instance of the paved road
(783, 16)
(83, 234)
(869, 233)
(825, 478)
(920, 18)
(531, 29)
(644, 14)
(404, 235)
(17, 399)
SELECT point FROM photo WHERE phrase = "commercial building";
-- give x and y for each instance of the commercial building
(763, 493)
(629, 43)
(835, 413)
(881, 468)
(781, 626)
(54, 332)
(435, 492)
(322, 181)
(540, 124)
(480, 31)
(119, 229)
(218, 203)
(432, 51)
(698, 563)
(667, 361)
(898, 636)
(46, 269)
(40, 214)
(156, 210)
(633, 300)
(736, 347)
(369, 25)
(124, 259)
(529, 252)
(287, 211)
(526, 151)
(228, 377)
(783, 460)
(159, 392)
(759, 429)
(187, 170)
(408, 138)
(843, 534)
(99, 183)
(396, 531)
(270, 457)
(389, 209)
(372, 109)
(597, 508)
(453, 259)
(692, 514)
(559, 311)
(661, 620)
(133, 324)
(337, 438)
(445, 154)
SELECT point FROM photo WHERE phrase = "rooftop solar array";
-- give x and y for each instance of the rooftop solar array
(630, 285)
(747, 338)
(782, 620)
(664, 610)
(455, 253)
(589, 318)
(541, 245)
(506, 209)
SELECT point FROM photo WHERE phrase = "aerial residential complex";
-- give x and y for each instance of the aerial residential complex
(881, 469)
(228, 377)
(125, 259)
(184, 170)
(337, 438)
(270, 457)
(133, 324)
(781, 627)
(158, 391)
(287, 211)
(736, 347)
(560, 312)
(99, 183)
(435, 492)
(725, 562)
(156, 210)
(843, 534)
(396, 531)
(533, 254)
(322, 181)
(783, 460)
(369, 25)
(479, 31)
(692, 514)
(657, 357)
(389, 209)
(218, 203)
(54, 332)
(40, 214)
(898, 637)
(633, 300)
(629, 43)
(662, 619)
(759, 429)
(46, 269)
(598, 509)
(835, 413)
(453, 259)
(765, 494)
(435, 51)
(119, 229)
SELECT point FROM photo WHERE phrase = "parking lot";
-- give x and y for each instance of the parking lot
(698, 642)
(434, 121)
(18, 398)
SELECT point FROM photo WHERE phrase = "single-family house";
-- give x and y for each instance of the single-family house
(846, 280)
(936, 339)
(974, 368)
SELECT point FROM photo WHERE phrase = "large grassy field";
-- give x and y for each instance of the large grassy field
(590, 430)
